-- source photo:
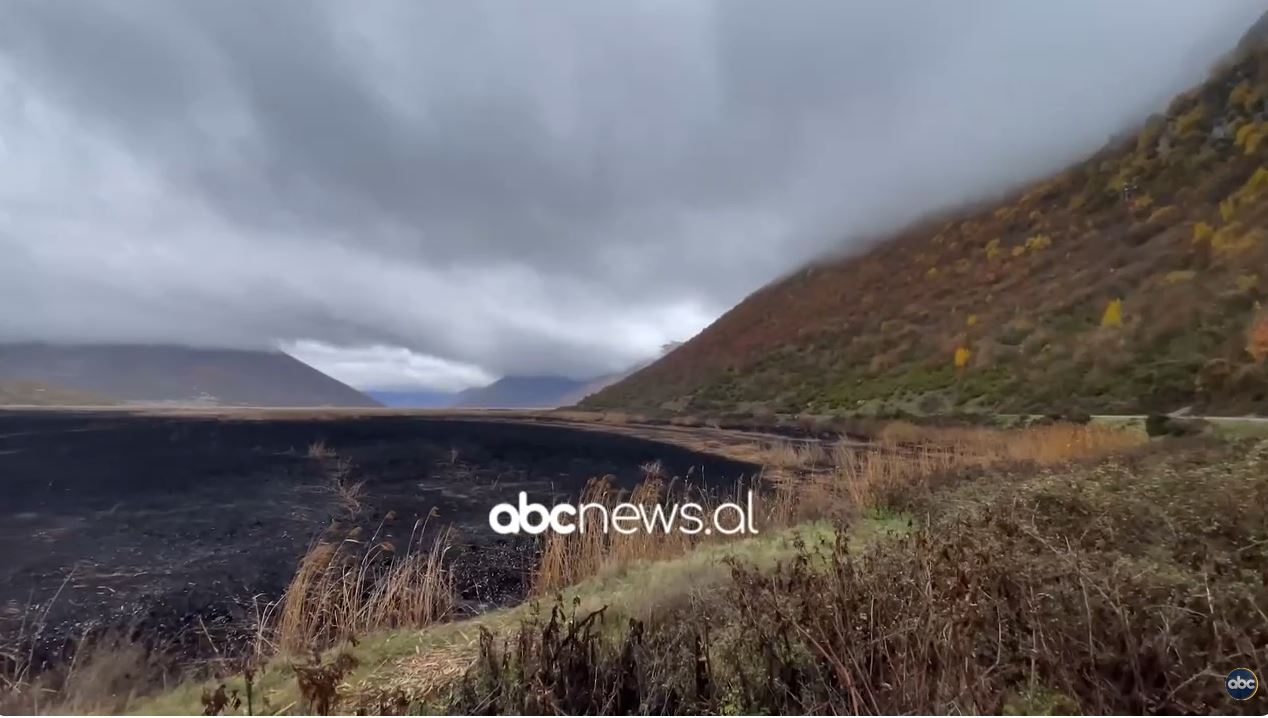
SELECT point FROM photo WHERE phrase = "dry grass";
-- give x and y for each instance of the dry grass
(1047, 443)
(901, 432)
(812, 483)
(1008, 601)
(347, 589)
(827, 482)
(349, 493)
(319, 450)
(103, 674)
(792, 455)
(569, 558)
(102, 678)
(911, 457)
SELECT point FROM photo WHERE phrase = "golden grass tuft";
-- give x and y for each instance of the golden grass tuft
(319, 450)
(901, 432)
(793, 455)
(348, 589)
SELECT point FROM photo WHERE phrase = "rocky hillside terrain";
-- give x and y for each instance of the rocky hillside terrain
(1134, 281)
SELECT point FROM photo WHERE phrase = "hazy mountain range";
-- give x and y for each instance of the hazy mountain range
(61, 375)
(513, 392)
(46, 374)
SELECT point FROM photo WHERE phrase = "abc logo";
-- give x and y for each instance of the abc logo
(1241, 684)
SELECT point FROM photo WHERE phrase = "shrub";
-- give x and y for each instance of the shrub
(1190, 120)
(1252, 189)
(1038, 242)
(1243, 96)
(1113, 314)
(1257, 341)
(1235, 238)
(1165, 215)
(1251, 135)
(1202, 232)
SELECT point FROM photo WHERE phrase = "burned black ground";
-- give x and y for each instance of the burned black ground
(176, 529)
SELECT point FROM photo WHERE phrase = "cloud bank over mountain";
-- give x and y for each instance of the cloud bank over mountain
(437, 194)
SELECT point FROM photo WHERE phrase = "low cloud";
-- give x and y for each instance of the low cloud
(389, 367)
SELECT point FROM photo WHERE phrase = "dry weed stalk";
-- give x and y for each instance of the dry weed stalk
(349, 493)
(794, 455)
(319, 450)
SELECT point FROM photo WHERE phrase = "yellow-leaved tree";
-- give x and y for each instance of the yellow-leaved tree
(962, 356)
(1113, 316)
(1202, 232)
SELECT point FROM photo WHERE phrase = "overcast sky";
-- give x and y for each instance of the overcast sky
(433, 194)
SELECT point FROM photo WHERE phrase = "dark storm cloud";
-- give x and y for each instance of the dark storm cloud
(519, 187)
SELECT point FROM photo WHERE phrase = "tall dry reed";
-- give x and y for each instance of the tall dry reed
(910, 458)
(569, 558)
(349, 588)
(809, 483)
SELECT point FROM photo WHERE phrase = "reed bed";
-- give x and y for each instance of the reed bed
(346, 589)
(812, 481)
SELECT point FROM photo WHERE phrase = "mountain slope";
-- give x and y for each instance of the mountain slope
(128, 373)
(1131, 282)
(34, 393)
(521, 392)
(599, 383)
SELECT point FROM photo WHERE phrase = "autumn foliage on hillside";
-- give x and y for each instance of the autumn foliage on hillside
(1131, 282)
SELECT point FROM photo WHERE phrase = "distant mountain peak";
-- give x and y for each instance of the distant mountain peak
(170, 374)
(521, 392)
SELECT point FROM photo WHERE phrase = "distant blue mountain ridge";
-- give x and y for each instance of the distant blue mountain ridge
(412, 398)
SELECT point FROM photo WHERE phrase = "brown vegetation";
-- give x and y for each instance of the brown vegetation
(104, 671)
(1105, 288)
(349, 588)
(812, 482)
(1087, 590)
